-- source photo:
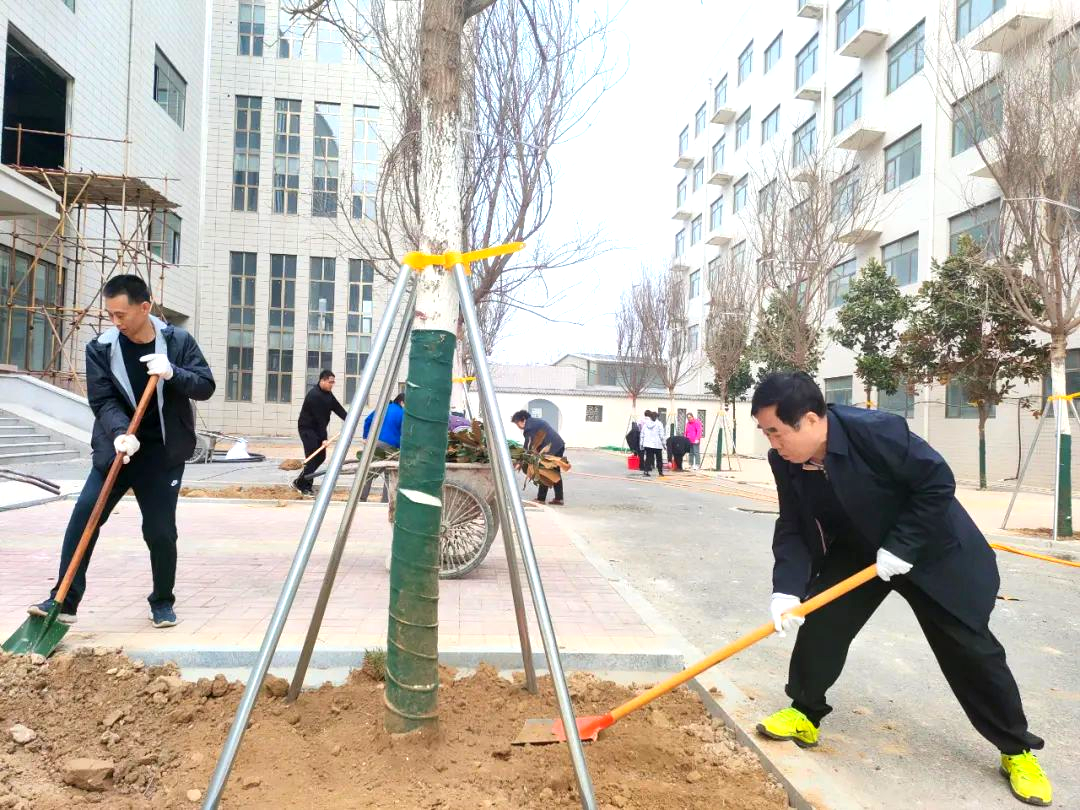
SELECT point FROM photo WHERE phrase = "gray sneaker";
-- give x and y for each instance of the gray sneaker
(162, 616)
(43, 608)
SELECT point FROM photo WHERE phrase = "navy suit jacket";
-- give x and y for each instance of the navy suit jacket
(899, 494)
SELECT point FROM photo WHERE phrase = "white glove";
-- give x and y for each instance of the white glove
(126, 444)
(158, 364)
(780, 604)
(889, 565)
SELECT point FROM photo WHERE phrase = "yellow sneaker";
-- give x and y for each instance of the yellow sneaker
(790, 724)
(1027, 779)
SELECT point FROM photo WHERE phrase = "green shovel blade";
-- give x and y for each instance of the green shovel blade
(38, 634)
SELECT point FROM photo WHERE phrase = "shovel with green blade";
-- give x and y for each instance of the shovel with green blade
(41, 634)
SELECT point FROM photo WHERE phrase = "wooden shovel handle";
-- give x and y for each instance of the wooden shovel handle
(320, 448)
(103, 496)
(754, 636)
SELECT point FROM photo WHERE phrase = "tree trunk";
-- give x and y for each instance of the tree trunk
(671, 415)
(720, 429)
(1058, 388)
(984, 412)
(412, 643)
(869, 390)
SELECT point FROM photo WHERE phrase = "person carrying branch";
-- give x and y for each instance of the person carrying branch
(856, 487)
(540, 436)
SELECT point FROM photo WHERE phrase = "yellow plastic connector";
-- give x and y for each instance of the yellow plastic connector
(421, 261)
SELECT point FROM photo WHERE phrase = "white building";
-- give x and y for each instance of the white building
(852, 73)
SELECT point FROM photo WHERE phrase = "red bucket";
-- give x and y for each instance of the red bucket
(633, 462)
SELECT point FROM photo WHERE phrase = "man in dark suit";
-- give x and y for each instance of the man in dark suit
(856, 487)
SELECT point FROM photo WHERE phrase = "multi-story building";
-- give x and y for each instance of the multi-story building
(853, 74)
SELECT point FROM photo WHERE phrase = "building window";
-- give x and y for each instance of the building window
(741, 191)
(903, 159)
(695, 284)
(31, 341)
(240, 353)
(981, 223)
(845, 190)
(742, 129)
(767, 199)
(1066, 64)
(906, 57)
(170, 89)
(246, 143)
(324, 184)
(358, 325)
(70, 4)
(901, 259)
(164, 239)
(849, 18)
(847, 105)
(803, 142)
(838, 390)
(695, 230)
(718, 155)
(969, 13)
(977, 116)
(772, 53)
(902, 403)
(699, 174)
(738, 254)
(714, 268)
(680, 193)
(716, 214)
(684, 140)
(746, 62)
(329, 49)
(320, 326)
(806, 62)
(719, 95)
(594, 413)
(839, 281)
(699, 121)
(693, 338)
(680, 242)
(286, 155)
(957, 405)
(290, 36)
(365, 161)
(281, 328)
(251, 26)
(770, 124)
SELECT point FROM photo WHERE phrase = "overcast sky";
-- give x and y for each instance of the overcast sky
(618, 174)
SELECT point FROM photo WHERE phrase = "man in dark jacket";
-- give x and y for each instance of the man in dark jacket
(119, 364)
(856, 487)
(531, 428)
(314, 418)
(633, 441)
(677, 447)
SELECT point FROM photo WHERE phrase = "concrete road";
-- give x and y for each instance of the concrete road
(896, 732)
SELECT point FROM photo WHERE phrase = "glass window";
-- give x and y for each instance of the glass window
(365, 162)
(699, 121)
(680, 193)
(695, 284)
(720, 93)
(714, 268)
(170, 89)
(741, 190)
(767, 198)
(281, 328)
(981, 224)
(969, 13)
(903, 159)
(693, 338)
(716, 214)
(742, 129)
(902, 403)
(845, 191)
(250, 27)
(849, 18)
(901, 259)
(838, 390)
(957, 405)
(164, 239)
(680, 242)
(70, 4)
(804, 142)
(325, 168)
(746, 62)
(806, 62)
(290, 35)
(718, 155)
(329, 49)
(684, 140)
(906, 57)
(977, 117)
(699, 174)
(770, 124)
(738, 254)
(358, 323)
(32, 288)
(286, 155)
(320, 327)
(772, 53)
(240, 351)
(847, 105)
(695, 230)
(1066, 64)
(246, 144)
(839, 281)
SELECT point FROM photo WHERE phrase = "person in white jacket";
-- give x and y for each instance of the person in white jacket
(652, 443)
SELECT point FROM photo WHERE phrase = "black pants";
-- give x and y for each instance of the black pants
(542, 491)
(312, 442)
(973, 661)
(653, 455)
(156, 487)
(677, 459)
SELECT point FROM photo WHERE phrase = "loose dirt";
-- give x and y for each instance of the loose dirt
(271, 492)
(155, 739)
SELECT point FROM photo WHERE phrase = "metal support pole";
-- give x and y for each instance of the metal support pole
(1027, 462)
(501, 456)
(303, 551)
(359, 480)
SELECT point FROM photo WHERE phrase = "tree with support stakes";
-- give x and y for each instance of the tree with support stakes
(955, 334)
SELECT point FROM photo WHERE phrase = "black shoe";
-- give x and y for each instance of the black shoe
(162, 616)
(42, 609)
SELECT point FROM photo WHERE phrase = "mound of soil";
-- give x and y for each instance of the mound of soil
(97, 728)
(258, 492)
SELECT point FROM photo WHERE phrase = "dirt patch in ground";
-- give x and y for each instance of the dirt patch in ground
(272, 492)
(158, 738)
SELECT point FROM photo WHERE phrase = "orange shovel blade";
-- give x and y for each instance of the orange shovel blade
(544, 732)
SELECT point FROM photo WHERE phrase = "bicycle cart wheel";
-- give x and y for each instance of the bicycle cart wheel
(468, 529)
